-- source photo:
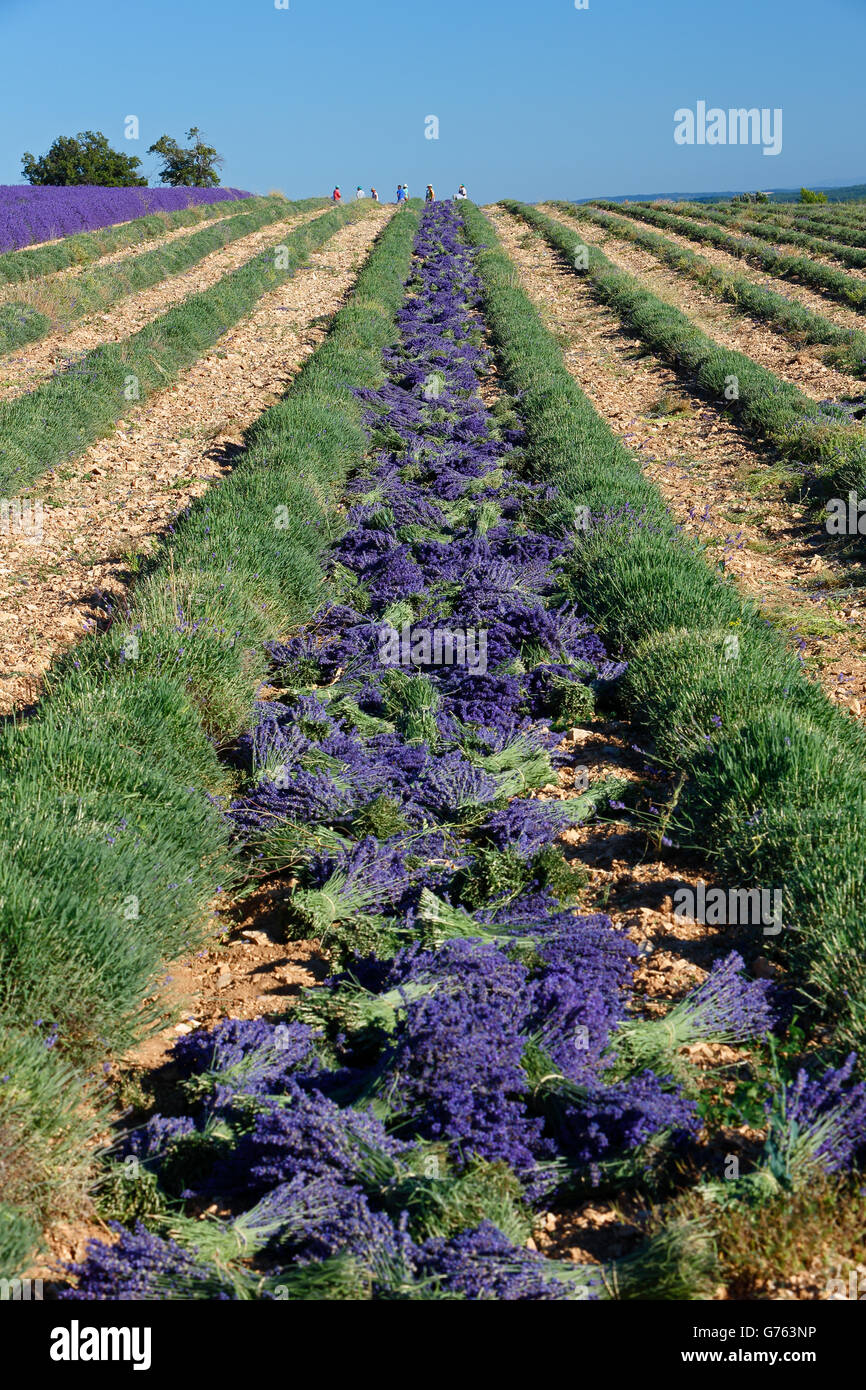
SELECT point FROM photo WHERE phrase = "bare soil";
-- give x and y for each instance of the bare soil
(111, 504)
(716, 481)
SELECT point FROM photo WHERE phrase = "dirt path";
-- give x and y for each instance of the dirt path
(790, 248)
(30, 291)
(110, 504)
(249, 970)
(811, 299)
(30, 365)
(787, 248)
(738, 331)
(720, 485)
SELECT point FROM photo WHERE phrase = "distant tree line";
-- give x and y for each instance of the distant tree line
(88, 158)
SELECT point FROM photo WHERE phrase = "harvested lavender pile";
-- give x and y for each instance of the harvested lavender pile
(473, 1056)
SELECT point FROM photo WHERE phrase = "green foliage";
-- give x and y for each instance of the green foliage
(383, 818)
(21, 323)
(19, 1235)
(96, 290)
(35, 261)
(551, 870)
(129, 1193)
(573, 703)
(493, 874)
(786, 315)
(772, 790)
(62, 417)
(765, 404)
(807, 196)
(193, 166)
(48, 1120)
(496, 875)
(110, 853)
(847, 289)
(83, 158)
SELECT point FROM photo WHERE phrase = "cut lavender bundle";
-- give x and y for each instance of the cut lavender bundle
(247, 1056)
(455, 1071)
(815, 1125)
(140, 1265)
(368, 877)
(484, 1265)
(818, 1123)
(727, 1008)
(300, 1135)
(592, 1121)
(468, 1052)
(526, 826)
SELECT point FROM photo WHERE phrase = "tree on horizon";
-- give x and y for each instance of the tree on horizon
(191, 167)
(85, 158)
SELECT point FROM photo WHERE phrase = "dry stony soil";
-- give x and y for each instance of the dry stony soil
(106, 509)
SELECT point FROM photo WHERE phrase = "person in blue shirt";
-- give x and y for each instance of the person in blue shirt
(400, 194)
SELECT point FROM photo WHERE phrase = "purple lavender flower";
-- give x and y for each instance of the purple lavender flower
(151, 1139)
(305, 1136)
(821, 1122)
(41, 213)
(599, 1121)
(140, 1265)
(455, 1073)
(483, 1264)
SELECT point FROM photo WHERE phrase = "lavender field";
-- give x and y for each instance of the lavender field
(432, 676)
(424, 751)
(35, 214)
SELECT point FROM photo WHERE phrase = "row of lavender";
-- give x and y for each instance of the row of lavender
(475, 1057)
(31, 214)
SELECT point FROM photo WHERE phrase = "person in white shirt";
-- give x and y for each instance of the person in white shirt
(461, 192)
(360, 193)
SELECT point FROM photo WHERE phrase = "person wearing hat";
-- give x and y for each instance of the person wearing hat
(359, 193)
(430, 196)
(337, 195)
(461, 192)
(374, 195)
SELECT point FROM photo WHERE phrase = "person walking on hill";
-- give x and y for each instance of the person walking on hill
(374, 195)
(337, 195)
(400, 194)
(461, 192)
(430, 196)
(359, 192)
(405, 192)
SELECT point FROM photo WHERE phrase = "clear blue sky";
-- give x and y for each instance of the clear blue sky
(534, 98)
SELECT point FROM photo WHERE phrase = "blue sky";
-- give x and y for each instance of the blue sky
(534, 98)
